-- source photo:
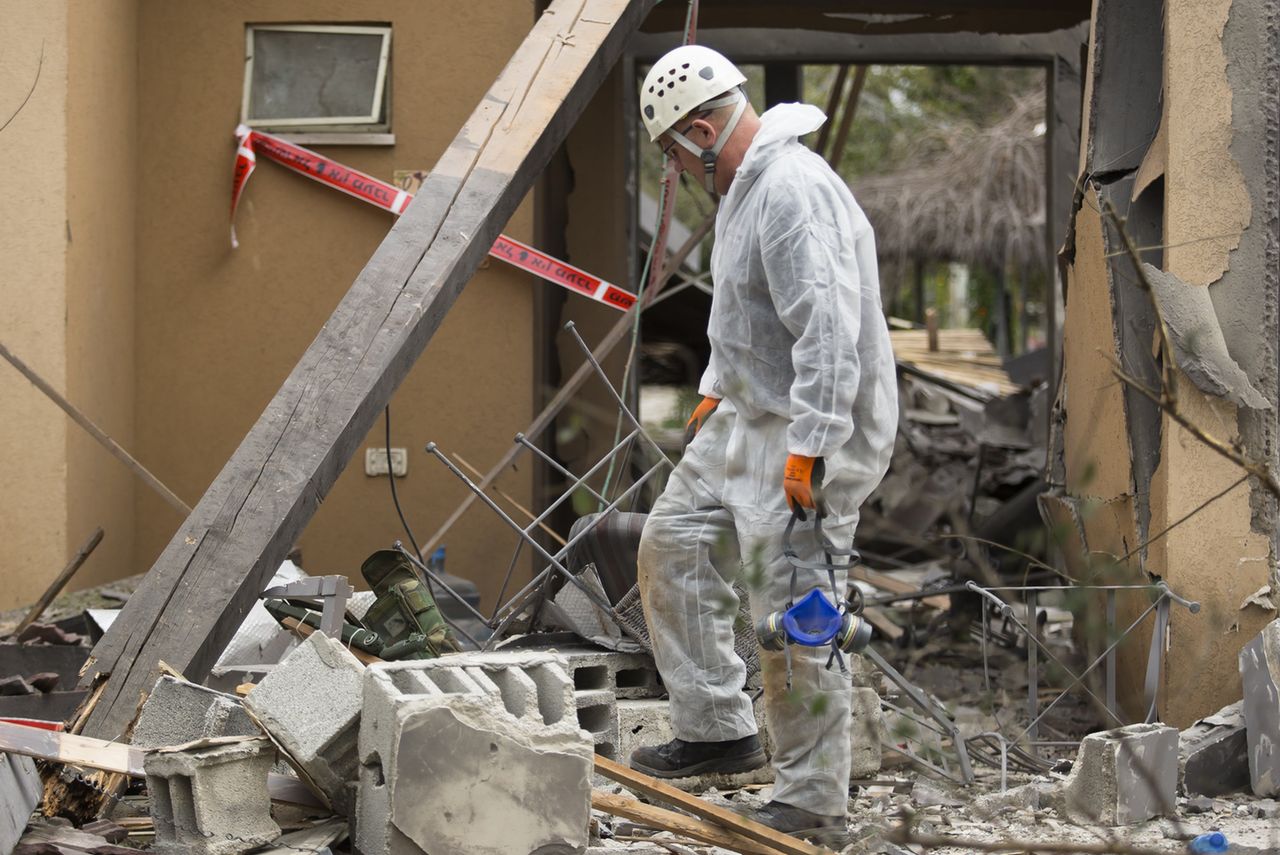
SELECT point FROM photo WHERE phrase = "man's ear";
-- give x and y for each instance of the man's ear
(706, 132)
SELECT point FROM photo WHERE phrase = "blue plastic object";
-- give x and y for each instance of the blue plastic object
(436, 561)
(1214, 841)
(813, 621)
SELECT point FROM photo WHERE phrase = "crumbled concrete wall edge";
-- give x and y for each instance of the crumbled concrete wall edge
(1198, 344)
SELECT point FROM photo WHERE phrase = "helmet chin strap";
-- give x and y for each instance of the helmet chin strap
(708, 156)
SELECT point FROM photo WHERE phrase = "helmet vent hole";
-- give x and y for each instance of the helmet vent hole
(686, 65)
(671, 85)
(672, 71)
(650, 90)
(661, 79)
(661, 92)
(706, 73)
(675, 106)
(648, 111)
(683, 78)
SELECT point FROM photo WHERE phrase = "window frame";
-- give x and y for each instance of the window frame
(375, 125)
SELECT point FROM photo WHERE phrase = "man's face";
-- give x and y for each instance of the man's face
(697, 131)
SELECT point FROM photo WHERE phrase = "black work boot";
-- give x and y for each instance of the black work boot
(830, 831)
(680, 759)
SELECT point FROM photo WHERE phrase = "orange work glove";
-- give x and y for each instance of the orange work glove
(802, 482)
(700, 415)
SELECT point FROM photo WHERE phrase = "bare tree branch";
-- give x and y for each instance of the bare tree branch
(1168, 404)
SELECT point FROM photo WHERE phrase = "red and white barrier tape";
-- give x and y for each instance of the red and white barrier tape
(366, 188)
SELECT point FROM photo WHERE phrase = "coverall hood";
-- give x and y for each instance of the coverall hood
(778, 126)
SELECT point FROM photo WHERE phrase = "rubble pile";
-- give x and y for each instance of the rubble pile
(509, 751)
(308, 737)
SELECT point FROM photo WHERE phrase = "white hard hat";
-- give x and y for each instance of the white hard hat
(684, 79)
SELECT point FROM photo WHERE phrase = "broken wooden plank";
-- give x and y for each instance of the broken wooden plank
(887, 582)
(881, 622)
(205, 581)
(71, 748)
(50, 593)
(678, 823)
(115, 757)
(750, 829)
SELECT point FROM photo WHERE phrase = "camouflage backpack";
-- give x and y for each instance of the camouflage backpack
(404, 614)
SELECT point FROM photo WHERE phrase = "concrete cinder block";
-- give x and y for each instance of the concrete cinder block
(374, 833)
(489, 741)
(311, 704)
(1213, 754)
(211, 799)
(641, 723)
(600, 678)
(1124, 776)
(597, 711)
(178, 712)
(628, 675)
(1260, 676)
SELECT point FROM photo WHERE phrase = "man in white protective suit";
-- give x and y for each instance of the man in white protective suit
(801, 380)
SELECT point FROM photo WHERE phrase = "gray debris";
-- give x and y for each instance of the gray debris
(1028, 797)
(1266, 809)
(490, 743)
(210, 797)
(1213, 754)
(20, 792)
(310, 703)
(1124, 776)
(1260, 675)
(178, 712)
(1198, 343)
(925, 793)
(1201, 804)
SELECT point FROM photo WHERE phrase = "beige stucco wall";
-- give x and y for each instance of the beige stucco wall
(33, 298)
(101, 175)
(1211, 554)
(1097, 528)
(1217, 558)
(218, 330)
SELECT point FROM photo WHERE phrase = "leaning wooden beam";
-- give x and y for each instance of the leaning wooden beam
(653, 788)
(205, 581)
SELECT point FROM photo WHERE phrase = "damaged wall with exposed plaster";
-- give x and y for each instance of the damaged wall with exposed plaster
(1175, 225)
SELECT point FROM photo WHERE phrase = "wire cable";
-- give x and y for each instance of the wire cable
(395, 498)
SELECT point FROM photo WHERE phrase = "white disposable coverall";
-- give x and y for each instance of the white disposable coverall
(800, 355)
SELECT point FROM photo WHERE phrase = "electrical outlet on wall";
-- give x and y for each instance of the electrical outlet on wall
(375, 461)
